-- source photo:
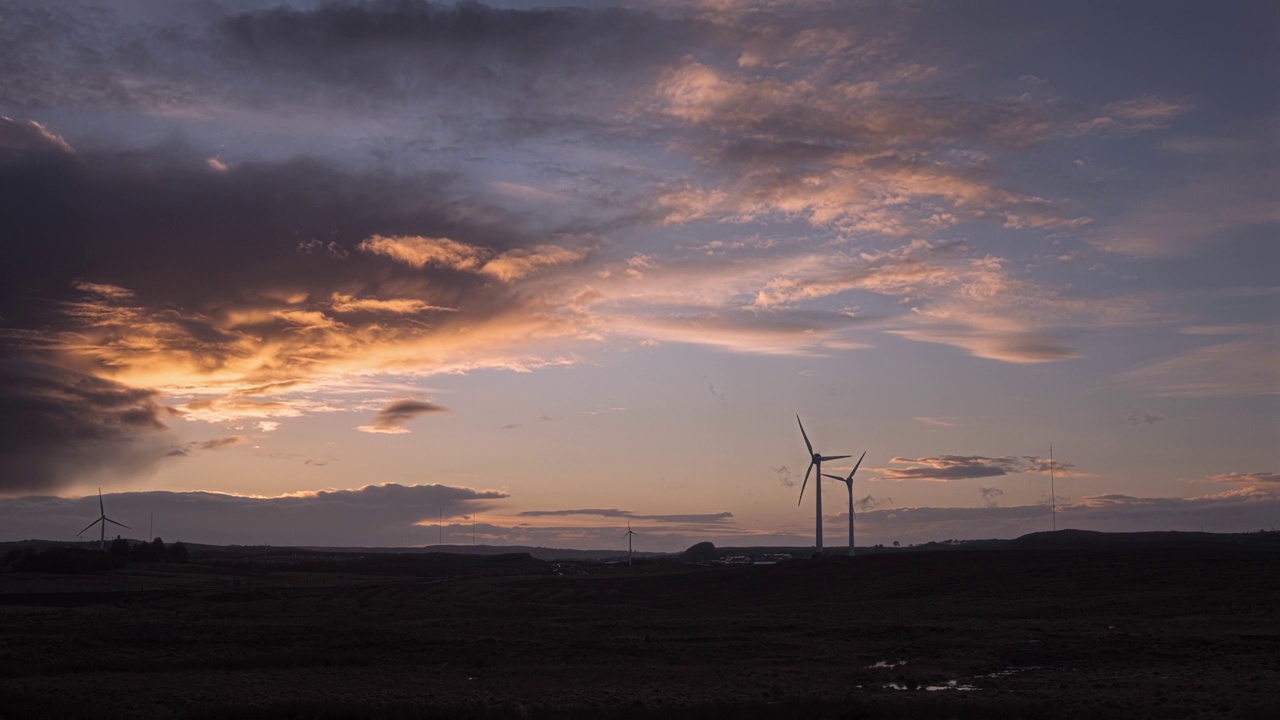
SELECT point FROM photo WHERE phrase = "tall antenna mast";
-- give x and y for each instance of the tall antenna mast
(1053, 498)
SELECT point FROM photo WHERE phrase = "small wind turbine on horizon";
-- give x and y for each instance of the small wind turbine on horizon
(849, 481)
(815, 460)
(629, 534)
(102, 518)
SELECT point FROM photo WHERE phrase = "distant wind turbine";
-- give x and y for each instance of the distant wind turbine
(849, 481)
(628, 536)
(815, 460)
(102, 518)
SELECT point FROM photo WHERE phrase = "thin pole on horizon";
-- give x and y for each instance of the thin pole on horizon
(473, 529)
(440, 528)
(1053, 497)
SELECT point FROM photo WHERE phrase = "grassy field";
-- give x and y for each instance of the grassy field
(975, 634)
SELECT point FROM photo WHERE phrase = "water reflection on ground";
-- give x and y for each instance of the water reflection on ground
(955, 685)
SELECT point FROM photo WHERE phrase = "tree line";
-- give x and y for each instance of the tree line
(78, 560)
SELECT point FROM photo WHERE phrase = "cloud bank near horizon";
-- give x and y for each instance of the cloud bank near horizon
(393, 515)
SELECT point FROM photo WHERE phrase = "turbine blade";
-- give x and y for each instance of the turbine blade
(855, 465)
(833, 477)
(835, 457)
(95, 522)
(805, 436)
(113, 522)
(803, 484)
(101, 510)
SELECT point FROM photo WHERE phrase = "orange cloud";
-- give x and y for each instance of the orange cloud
(507, 266)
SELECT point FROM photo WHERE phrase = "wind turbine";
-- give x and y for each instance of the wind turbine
(628, 536)
(102, 518)
(849, 481)
(815, 460)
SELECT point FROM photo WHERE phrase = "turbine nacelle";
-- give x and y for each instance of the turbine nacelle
(815, 460)
(848, 480)
(102, 518)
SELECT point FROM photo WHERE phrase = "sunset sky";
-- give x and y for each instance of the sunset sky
(295, 272)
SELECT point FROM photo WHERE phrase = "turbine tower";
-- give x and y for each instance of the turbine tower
(102, 518)
(628, 536)
(849, 481)
(815, 460)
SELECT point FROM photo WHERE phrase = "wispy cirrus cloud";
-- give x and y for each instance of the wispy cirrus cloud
(220, 443)
(1253, 478)
(629, 515)
(1242, 367)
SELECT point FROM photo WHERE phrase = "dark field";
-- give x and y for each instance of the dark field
(995, 634)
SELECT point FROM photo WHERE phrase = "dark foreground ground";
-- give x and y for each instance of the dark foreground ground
(1011, 634)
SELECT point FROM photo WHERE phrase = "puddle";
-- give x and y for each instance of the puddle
(951, 685)
(955, 685)
(1010, 671)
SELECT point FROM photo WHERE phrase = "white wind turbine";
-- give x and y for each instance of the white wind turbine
(102, 518)
(815, 460)
(628, 536)
(849, 481)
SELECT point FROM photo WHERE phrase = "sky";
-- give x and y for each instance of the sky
(393, 273)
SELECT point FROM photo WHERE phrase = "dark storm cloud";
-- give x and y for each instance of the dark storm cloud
(153, 258)
(201, 55)
(161, 223)
(153, 264)
(57, 425)
(392, 418)
(374, 515)
(396, 49)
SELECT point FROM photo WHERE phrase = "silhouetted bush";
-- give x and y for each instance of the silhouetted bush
(66, 560)
(119, 547)
(176, 553)
(701, 551)
(153, 551)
